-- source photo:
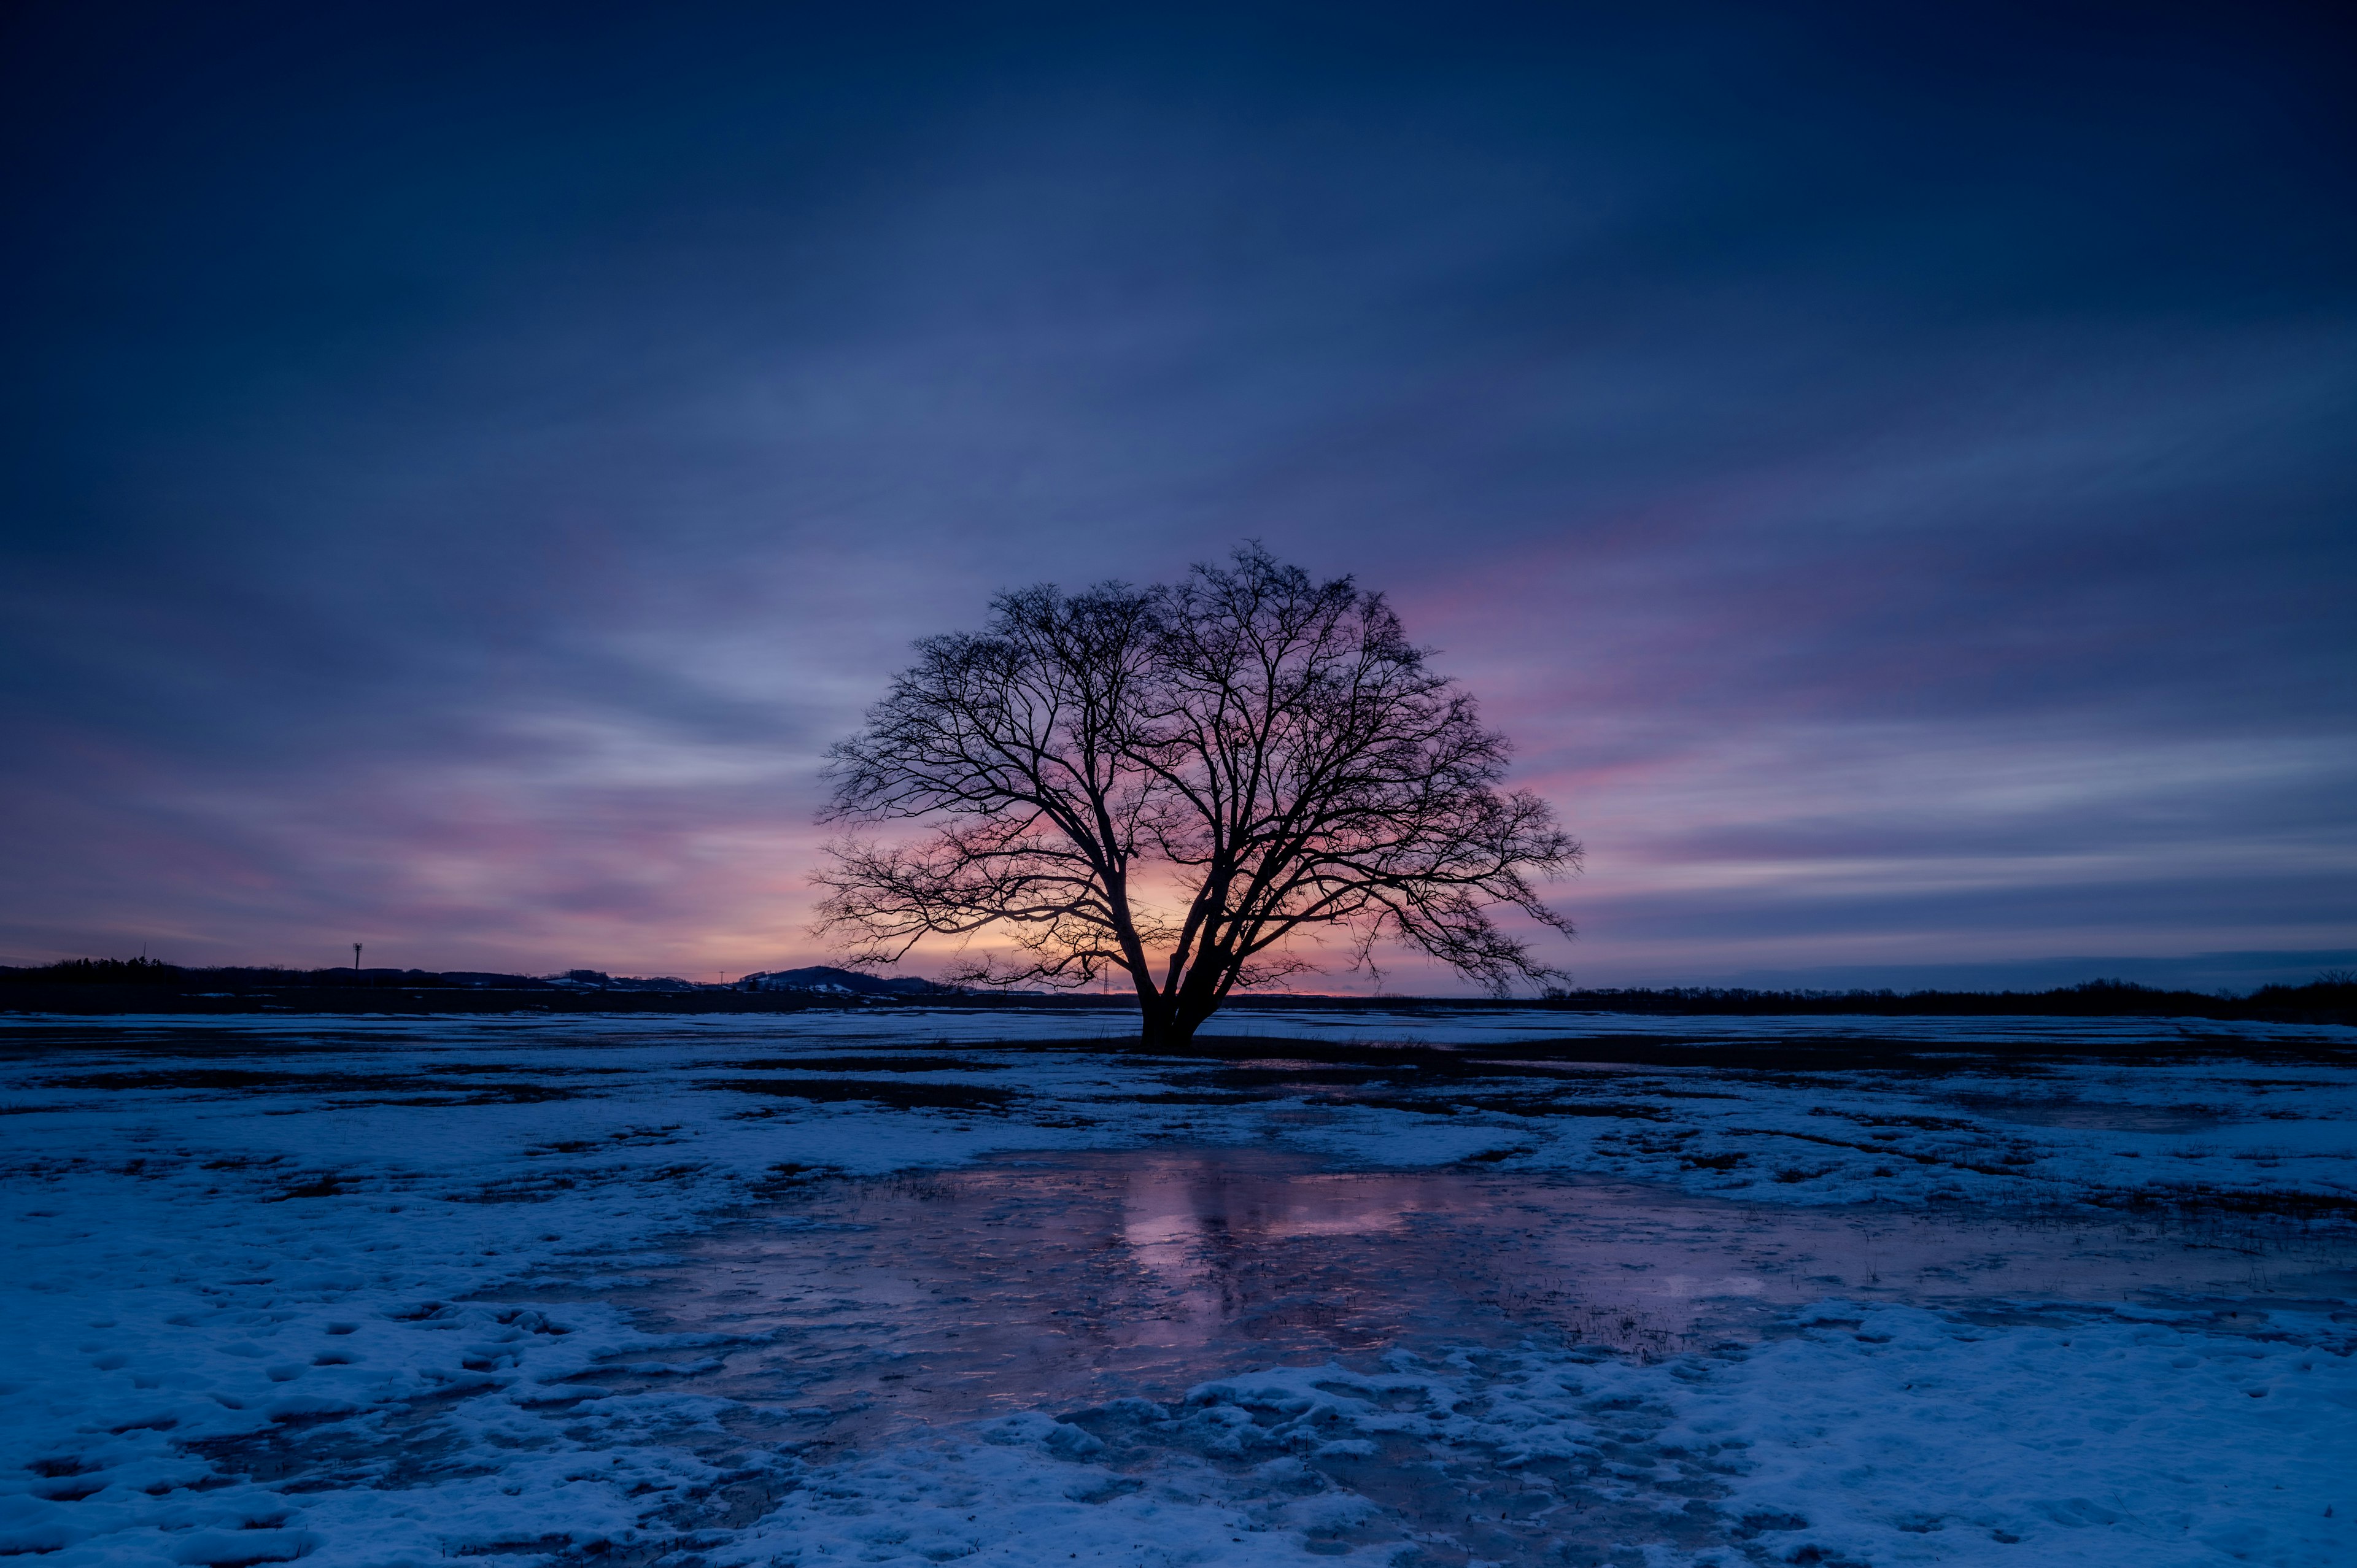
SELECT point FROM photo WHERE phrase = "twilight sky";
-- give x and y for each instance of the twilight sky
(1892, 468)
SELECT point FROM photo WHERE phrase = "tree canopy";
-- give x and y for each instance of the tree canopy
(1178, 783)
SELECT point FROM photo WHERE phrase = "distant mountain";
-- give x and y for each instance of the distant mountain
(598, 980)
(825, 979)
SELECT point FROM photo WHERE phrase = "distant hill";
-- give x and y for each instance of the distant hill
(598, 980)
(828, 981)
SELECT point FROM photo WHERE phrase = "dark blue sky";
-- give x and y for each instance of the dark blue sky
(1890, 468)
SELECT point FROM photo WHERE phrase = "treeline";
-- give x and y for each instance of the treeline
(101, 971)
(235, 977)
(136, 984)
(2330, 997)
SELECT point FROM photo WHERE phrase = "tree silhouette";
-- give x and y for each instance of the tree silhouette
(1175, 781)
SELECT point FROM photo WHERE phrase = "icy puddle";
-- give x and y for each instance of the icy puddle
(858, 1308)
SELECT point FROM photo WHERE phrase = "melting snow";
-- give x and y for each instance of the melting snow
(345, 1291)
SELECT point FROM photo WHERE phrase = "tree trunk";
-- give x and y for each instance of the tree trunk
(1168, 1019)
(1156, 1013)
(1198, 997)
(1169, 1034)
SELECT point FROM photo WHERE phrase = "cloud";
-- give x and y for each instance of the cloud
(1894, 494)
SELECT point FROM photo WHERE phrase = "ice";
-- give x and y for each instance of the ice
(379, 1291)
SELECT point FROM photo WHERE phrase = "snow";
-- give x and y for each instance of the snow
(287, 1287)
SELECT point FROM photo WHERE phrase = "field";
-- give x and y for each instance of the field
(933, 1287)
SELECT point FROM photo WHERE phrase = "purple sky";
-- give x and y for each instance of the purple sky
(1891, 468)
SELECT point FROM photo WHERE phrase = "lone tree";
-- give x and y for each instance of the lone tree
(1172, 781)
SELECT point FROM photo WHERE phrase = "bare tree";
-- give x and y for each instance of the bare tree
(1173, 782)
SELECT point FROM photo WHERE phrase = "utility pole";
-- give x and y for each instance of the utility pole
(356, 958)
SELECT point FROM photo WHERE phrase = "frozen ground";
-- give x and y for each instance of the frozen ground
(668, 1288)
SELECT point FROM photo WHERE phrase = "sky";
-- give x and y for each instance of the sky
(1889, 468)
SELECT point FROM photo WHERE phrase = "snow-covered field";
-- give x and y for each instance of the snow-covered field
(359, 1291)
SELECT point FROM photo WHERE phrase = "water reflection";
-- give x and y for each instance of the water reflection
(862, 1305)
(1198, 1226)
